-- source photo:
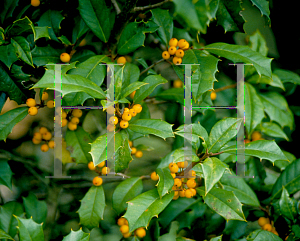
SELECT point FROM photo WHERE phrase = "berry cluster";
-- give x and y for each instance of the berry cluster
(124, 229)
(45, 135)
(31, 103)
(72, 124)
(266, 225)
(100, 169)
(134, 151)
(182, 45)
(179, 190)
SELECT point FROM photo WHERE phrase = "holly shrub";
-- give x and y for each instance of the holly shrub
(120, 120)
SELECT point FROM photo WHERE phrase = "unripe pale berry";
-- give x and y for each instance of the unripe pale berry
(121, 60)
(105, 170)
(113, 120)
(172, 50)
(110, 110)
(50, 104)
(77, 113)
(45, 96)
(138, 108)
(138, 154)
(179, 53)
(124, 124)
(177, 60)
(133, 150)
(140, 232)
(75, 120)
(51, 144)
(32, 111)
(154, 176)
(165, 55)
(173, 42)
(97, 181)
(126, 116)
(65, 57)
(30, 102)
(44, 148)
(182, 43)
(72, 126)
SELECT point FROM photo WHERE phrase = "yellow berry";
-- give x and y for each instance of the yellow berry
(172, 50)
(44, 147)
(124, 124)
(113, 120)
(126, 235)
(177, 83)
(121, 60)
(182, 193)
(51, 144)
(37, 136)
(192, 174)
(110, 127)
(140, 232)
(188, 193)
(30, 102)
(97, 181)
(175, 197)
(177, 182)
(82, 43)
(180, 164)
(154, 176)
(124, 228)
(122, 221)
(35, 3)
(91, 166)
(50, 104)
(179, 53)
(132, 112)
(191, 183)
(32, 111)
(101, 164)
(47, 136)
(165, 55)
(110, 110)
(64, 122)
(182, 43)
(105, 170)
(173, 175)
(275, 232)
(177, 60)
(262, 221)
(130, 143)
(72, 126)
(75, 120)
(255, 136)
(126, 116)
(213, 95)
(138, 154)
(65, 57)
(173, 42)
(63, 114)
(36, 141)
(45, 96)
(267, 227)
(186, 46)
(133, 150)
(173, 167)
(126, 109)
(193, 191)
(247, 141)
(43, 130)
(132, 95)
(77, 113)
(138, 108)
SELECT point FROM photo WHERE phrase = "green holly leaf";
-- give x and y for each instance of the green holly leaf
(240, 188)
(35, 209)
(19, 27)
(64, 40)
(287, 76)
(263, 149)
(41, 32)
(126, 191)
(165, 22)
(4, 235)
(172, 233)
(9, 119)
(254, 109)
(78, 235)
(238, 53)
(29, 230)
(274, 81)
(287, 205)
(5, 173)
(152, 81)
(158, 128)
(132, 38)
(289, 179)
(44, 55)
(7, 9)
(222, 132)
(258, 43)
(8, 55)
(212, 169)
(79, 29)
(22, 49)
(92, 207)
(123, 154)
(165, 182)
(226, 19)
(17, 72)
(277, 108)
(144, 207)
(130, 88)
(223, 202)
(263, 6)
(262, 235)
(272, 129)
(173, 94)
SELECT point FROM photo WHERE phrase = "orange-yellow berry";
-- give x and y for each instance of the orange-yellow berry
(124, 124)
(51, 144)
(213, 95)
(138, 108)
(182, 193)
(191, 183)
(122, 221)
(105, 170)
(82, 43)
(47, 136)
(262, 221)
(97, 181)
(64, 122)
(173, 42)
(182, 43)
(172, 50)
(91, 166)
(177, 83)
(132, 95)
(133, 150)
(154, 176)
(165, 55)
(179, 53)
(50, 104)
(63, 114)
(77, 113)
(126, 235)
(45, 96)
(124, 228)
(110, 127)
(140, 232)
(255, 136)
(30, 102)
(75, 120)
(177, 60)
(126, 116)
(101, 164)
(267, 227)
(37, 136)
(173, 167)
(188, 193)
(65, 57)
(132, 112)
(130, 143)
(177, 182)
(72, 126)
(173, 175)
(43, 130)
(32, 111)
(186, 46)
(113, 120)
(36, 141)
(121, 60)
(44, 147)
(138, 154)
(35, 3)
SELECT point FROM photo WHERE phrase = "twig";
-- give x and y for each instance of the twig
(226, 87)
(118, 10)
(151, 66)
(136, 9)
